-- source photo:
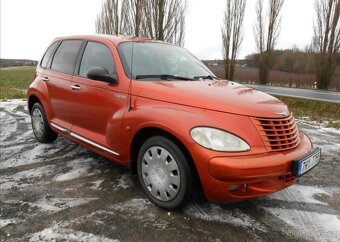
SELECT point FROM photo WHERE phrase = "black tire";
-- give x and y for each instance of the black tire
(46, 134)
(183, 165)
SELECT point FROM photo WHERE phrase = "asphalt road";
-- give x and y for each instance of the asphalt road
(318, 95)
(64, 192)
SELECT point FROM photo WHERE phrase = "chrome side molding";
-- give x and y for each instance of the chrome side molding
(83, 139)
(60, 128)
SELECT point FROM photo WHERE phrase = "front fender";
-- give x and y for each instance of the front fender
(178, 120)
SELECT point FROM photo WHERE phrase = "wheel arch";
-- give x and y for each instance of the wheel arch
(32, 100)
(143, 134)
(146, 132)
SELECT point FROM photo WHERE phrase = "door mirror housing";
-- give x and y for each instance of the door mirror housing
(101, 74)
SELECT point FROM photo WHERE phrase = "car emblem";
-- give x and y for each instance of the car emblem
(283, 113)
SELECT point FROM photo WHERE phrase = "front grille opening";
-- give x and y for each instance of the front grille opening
(287, 179)
(278, 133)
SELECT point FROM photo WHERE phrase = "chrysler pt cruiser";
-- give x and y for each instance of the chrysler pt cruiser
(155, 108)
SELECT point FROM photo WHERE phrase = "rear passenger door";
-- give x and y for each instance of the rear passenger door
(96, 103)
(58, 78)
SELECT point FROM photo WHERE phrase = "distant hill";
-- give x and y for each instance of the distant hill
(17, 62)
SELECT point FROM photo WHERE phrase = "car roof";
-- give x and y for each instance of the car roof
(116, 39)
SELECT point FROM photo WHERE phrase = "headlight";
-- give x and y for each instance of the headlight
(218, 140)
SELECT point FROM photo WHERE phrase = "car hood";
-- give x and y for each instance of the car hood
(219, 95)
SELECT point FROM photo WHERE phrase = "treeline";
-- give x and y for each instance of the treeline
(321, 59)
(16, 62)
(289, 60)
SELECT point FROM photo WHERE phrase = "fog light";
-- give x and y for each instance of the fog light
(234, 187)
(239, 187)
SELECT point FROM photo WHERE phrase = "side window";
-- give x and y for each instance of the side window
(97, 54)
(64, 59)
(48, 54)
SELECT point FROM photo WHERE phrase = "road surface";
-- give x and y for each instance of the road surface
(318, 95)
(64, 192)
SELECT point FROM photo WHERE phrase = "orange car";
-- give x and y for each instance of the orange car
(157, 109)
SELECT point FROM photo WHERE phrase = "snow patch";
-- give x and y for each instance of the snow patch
(134, 205)
(12, 104)
(62, 234)
(79, 168)
(11, 126)
(96, 184)
(299, 193)
(318, 226)
(5, 222)
(23, 178)
(59, 204)
(213, 212)
(53, 205)
(14, 156)
(124, 182)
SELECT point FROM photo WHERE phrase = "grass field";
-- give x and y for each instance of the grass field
(14, 81)
(329, 113)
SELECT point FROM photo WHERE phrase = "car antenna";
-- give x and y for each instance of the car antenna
(130, 84)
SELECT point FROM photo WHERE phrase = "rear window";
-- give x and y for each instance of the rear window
(64, 59)
(48, 54)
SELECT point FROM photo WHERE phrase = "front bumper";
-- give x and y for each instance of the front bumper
(245, 177)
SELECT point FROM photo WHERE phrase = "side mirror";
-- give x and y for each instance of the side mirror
(101, 74)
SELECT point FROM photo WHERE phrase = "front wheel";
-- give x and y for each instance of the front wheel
(164, 172)
(41, 128)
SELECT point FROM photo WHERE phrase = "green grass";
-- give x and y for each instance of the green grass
(316, 110)
(14, 81)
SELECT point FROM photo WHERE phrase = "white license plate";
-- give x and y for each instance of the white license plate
(307, 163)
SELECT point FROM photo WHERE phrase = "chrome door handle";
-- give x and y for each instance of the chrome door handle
(75, 87)
(45, 79)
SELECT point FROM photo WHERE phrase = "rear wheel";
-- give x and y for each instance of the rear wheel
(41, 128)
(164, 172)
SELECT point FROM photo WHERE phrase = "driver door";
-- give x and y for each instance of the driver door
(95, 103)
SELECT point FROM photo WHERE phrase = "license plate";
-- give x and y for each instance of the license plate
(306, 163)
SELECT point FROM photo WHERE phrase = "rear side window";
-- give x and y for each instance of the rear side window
(64, 59)
(48, 54)
(96, 54)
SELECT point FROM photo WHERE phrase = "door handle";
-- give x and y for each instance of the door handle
(45, 79)
(75, 87)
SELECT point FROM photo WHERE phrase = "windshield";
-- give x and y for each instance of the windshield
(159, 60)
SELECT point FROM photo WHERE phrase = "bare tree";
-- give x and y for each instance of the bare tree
(266, 35)
(109, 20)
(165, 20)
(326, 39)
(232, 35)
(121, 17)
(157, 19)
(133, 17)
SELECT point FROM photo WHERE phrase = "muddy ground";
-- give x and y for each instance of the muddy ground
(64, 192)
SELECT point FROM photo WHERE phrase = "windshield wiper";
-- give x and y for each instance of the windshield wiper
(164, 77)
(206, 77)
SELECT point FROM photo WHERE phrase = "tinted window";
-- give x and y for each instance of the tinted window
(96, 54)
(64, 58)
(48, 54)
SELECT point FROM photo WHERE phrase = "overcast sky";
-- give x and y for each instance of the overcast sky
(28, 26)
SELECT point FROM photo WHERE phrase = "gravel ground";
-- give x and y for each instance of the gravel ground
(64, 192)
